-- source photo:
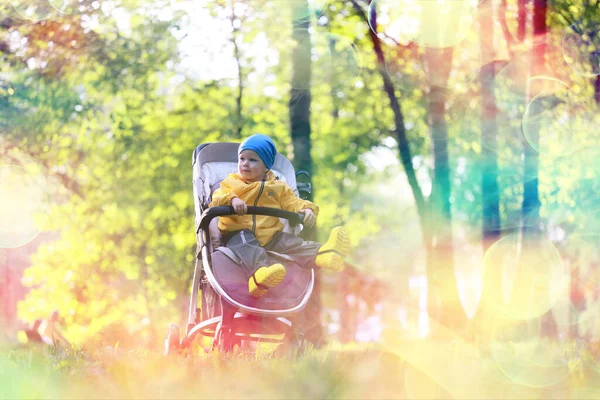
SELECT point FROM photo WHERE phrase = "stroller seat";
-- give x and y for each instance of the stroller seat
(227, 276)
(287, 295)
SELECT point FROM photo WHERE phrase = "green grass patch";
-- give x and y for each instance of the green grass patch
(418, 369)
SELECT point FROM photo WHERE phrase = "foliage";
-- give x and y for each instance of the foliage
(101, 103)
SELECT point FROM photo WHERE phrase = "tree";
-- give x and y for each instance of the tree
(300, 130)
(489, 144)
(300, 96)
(95, 118)
(444, 292)
(582, 35)
(522, 20)
(490, 196)
(531, 202)
(435, 214)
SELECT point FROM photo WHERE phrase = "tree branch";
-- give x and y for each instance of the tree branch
(236, 52)
(400, 130)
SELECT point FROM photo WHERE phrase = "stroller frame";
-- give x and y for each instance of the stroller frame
(220, 316)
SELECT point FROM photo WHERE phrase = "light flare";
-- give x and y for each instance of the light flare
(527, 277)
(432, 24)
(21, 206)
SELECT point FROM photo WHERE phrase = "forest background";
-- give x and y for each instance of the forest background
(455, 139)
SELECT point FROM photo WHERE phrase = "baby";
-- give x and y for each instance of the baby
(250, 236)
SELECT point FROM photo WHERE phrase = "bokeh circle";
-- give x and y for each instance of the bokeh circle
(33, 10)
(433, 24)
(525, 356)
(556, 123)
(302, 13)
(530, 276)
(69, 6)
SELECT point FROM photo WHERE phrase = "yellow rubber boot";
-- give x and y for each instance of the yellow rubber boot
(265, 278)
(331, 254)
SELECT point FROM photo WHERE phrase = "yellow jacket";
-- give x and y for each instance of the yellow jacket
(269, 193)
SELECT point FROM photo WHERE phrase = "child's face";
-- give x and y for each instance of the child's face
(251, 167)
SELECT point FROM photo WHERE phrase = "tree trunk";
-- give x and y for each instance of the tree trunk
(334, 83)
(299, 107)
(441, 277)
(486, 7)
(403, 146)
(239, 121)
(300, 93)
(521, 20)
(489, 160)
(597, 89)
(439, 264)
(531, 201)
(491, 224)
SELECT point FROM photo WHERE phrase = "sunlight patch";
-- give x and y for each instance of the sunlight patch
(22, 208)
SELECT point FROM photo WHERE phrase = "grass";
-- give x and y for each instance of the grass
(55, 372)
(416, 369)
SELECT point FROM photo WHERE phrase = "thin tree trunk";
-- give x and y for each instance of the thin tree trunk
(502, 19)
(239, 118)
(594, 55)
(299, 107)
(442, 256)
(300, 94)
(531, 201)
(522, 20)
(441, 277)
(399, 128)
(491, 224)
(238, 100)
(403, 146)
(597, 89)
(334, 83)
(489, 162)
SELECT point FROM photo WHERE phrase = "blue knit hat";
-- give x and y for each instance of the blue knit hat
(261, 145)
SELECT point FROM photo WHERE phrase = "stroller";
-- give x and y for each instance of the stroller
(227, 312)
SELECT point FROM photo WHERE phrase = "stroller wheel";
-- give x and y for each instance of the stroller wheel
(172, 343)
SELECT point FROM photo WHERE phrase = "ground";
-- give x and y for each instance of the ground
(416, 369)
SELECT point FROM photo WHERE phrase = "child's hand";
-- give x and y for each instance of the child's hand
(309, 217)
(239, 206)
